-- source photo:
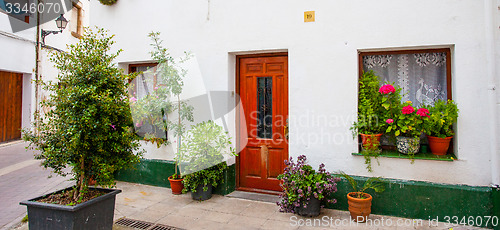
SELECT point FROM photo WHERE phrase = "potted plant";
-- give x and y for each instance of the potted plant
(369, 111)
(439, 127)
(167, 101)
(374, 106)
(88, 130)
(359, 201)
(407, 126)
(203, 154)
(305, 189)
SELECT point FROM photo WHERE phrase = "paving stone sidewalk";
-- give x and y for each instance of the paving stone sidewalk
(158, 206)
(22, 178)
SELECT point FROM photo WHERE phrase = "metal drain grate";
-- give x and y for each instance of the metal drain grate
(134, 223)
(138, 224)
(164, 227)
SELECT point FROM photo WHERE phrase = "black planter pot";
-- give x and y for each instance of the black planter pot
(202, 195)
(97, 213)
(311, 210)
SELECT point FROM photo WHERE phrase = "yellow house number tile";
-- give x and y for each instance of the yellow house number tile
(309, 16)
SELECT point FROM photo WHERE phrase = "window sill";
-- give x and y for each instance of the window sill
(418, 156)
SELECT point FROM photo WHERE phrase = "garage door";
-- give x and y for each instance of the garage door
(11, 95)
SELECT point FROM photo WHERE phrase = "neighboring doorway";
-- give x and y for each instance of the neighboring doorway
(262, 83)
(11, 96)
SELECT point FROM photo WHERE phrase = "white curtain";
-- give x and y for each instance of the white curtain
(422, 76)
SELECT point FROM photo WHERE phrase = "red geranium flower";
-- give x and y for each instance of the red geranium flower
(408, 109)
(423, 112)
(385, 89)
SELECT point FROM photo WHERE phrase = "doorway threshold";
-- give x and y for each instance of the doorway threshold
(254, 196)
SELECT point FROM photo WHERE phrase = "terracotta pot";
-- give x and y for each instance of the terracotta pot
(439, 146)
(367, 139)
(176, 185)
(360, 209)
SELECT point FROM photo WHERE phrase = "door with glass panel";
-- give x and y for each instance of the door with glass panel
(263, 88)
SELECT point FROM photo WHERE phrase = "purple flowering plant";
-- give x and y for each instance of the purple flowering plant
(301, 182)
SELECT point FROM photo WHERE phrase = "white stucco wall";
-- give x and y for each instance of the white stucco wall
(323, 65)
(18, 55)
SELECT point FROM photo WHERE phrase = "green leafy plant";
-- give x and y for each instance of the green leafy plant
(172, 74)
(442, 116)
(369, 106)
(368, 154)
(203, 154)
(89, 125)
(376, 104)
(213, 175)
(374, 183)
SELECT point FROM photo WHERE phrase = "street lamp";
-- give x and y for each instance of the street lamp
(61, 23)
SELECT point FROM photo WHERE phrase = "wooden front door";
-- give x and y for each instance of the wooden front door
(263, 88)
(11, 96)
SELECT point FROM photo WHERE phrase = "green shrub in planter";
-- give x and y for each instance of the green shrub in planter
(203, 152)
(88, 125)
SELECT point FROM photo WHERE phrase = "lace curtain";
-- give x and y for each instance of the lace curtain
(144, 82)
(422, 76)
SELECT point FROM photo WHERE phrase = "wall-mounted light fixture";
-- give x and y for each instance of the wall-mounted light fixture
(61, 23)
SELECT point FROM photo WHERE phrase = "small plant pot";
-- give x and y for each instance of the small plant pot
(360, 209)
(370, 141)
(407, 145)
(176, 185)
(312, 208)
(201, 195)
(439, 146)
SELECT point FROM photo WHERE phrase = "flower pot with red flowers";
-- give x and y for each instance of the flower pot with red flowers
(305, 190)
(439, 127)
(360, 203)
(407, 126)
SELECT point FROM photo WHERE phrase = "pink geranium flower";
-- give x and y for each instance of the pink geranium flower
(423, 112)
(133, 99)
(138, 124)
(408, 109)
(389, 121)
(385, 89)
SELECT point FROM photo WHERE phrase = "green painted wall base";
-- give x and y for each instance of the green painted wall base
(410, 199)
(496, 205)
(424, 200)
(156, 172)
